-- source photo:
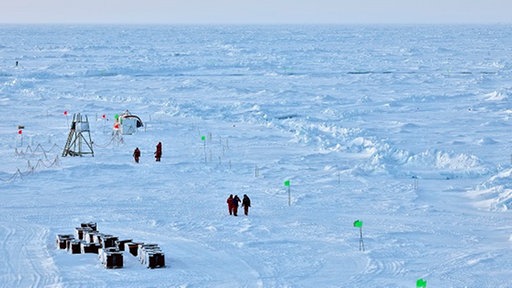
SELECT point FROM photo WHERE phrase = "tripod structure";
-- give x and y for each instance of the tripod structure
(79, 140)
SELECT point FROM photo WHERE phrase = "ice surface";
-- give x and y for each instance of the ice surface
(406, 128)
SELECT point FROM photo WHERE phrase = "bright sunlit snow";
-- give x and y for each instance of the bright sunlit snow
(405, 128)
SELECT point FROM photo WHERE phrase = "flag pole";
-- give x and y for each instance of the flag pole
(359, 224)
(287, 184)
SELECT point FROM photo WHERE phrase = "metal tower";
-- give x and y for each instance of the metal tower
(79, 134)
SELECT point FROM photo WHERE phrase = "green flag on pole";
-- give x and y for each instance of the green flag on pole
(203, 138)
(287, 183)
(420, 283)
(359, 224)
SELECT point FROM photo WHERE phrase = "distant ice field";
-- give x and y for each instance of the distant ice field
(404, 127)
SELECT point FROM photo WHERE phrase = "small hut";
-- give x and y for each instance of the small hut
(127, 123)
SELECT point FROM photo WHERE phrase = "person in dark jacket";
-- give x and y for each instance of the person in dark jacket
(158, 152)
(230, 204)
(136, 154)
(246, 203)
(236, 200)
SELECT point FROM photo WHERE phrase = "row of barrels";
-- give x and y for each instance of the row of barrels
(87, 239)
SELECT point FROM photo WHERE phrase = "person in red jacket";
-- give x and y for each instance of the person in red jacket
(158, 152)
(136, 155)
(230, 204)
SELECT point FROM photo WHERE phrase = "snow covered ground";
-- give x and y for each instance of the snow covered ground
(406, 128)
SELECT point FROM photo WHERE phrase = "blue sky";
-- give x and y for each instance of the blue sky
(255, 11)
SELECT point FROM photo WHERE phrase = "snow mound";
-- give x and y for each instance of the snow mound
(495, 96)
(391, 160)
(495, 194)
(487, 141)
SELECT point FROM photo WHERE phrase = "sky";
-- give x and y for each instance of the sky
(256, 11)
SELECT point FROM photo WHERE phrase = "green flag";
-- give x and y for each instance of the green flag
(358, 223)
(287, 183)
(420, 283)
(203, 138)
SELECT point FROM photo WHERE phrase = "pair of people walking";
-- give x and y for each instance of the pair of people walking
(158, 153)
(234, 201)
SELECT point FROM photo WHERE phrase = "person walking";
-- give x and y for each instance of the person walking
(158, 152)
(230, 204)
(246, 203)
(136, 155)
(236, 200)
